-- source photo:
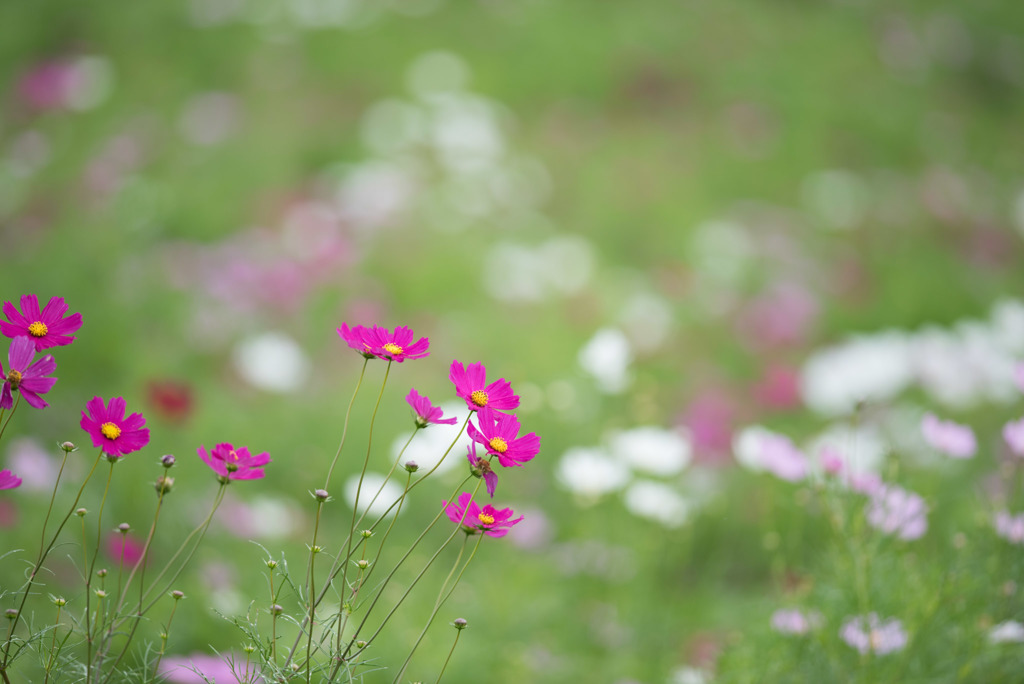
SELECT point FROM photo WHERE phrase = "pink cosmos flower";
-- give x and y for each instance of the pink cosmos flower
(46, 328)
(9, 480)
(234, 464)
(780, 457)
(24, 376)
(199, 668)
(358, 338)
(397, 346)
(498, 435)
(122, 547)
(1013, 433)
(793, 621)
(427, 413)
(894, 510)
(948, 437)
(868, 633)
(111, 431)
(470, 384)
(491, 521)
(481, 467)
(1010, 527)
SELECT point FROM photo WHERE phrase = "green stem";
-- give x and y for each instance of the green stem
(312, 590)
(53, 647)
(88, 577)
(39, 563)
(11, 415)
(446, 660)
(163, 640)
(344, 430)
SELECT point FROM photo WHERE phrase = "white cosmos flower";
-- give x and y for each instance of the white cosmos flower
(652, 449)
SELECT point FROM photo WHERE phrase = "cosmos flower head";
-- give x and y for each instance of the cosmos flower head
(498, 434)
(1013, 433)
(950, 438)
(481, 467)
(894, 510)
(46, 328)
(1010, 527)
(488, 520)
(398, 345)
(793, 621)
(24, 376)
(234, 464)
(9, 480)
(870, 634)
(471, 384)
(357, 338)
(111, 430)
(427, 413)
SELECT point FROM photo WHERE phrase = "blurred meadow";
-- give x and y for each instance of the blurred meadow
(683, 231)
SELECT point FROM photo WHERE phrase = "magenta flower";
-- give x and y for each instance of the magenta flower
(1010, 527)
(471, 385)
(948, 437)
(427, 413)
(111, 431)
(498, 435)
(199, 668)
(358, 338)
(46, 328)
(123, 548)
(1013, 433)
(24, 376)
(234, 464)
(782, 458)
(9, 480)
(896, 511)
(398, 346)
(491, 521)
(481, 467)
(868, 633)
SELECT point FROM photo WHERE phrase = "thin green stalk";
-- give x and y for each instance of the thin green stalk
(313, 550)
(163, 641)
(39, 563)
(344, 430)
(88, 577)
(446, 660)
(11, 415)
(53, 646)
(49, 509)
(441, 599)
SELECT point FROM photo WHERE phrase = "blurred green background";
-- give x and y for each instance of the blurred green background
(640, 214)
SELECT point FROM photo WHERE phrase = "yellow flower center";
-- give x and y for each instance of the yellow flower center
(110, 431)
(479, 398)
(234, 454)
(38, 329)
(392, 348)
(486, 519)
(14, 377)
(499, 445)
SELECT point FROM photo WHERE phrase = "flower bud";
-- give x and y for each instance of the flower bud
(460, 623)
(68, 447)
(223, 479)
(321, 495)
(11, 613)
(102, 572)
(366, 534)
(360, 644)
(167, 460)
(80, 512)
(59, 601)
(123, 528)
(249, 648)
(230, 467)
(112, 458)
(362, 563)
(100, 594)
(276, 609)
(294, 667)
(271, 563)
(177, 595)
(163, 484)
(412, 466)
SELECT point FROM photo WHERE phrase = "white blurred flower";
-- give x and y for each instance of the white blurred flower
(591, 472)
(657, 501)
(375, 193)
(722, 250)
(372, 482)
(867, 368)
(689, 675)
(607, 357)
(429, 445)
(861, 449)
(1009, 631)
(652, 449)
(272, 361)
(648, 319)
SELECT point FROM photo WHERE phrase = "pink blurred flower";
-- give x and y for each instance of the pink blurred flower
(793, 621)
(780, 457)
(1013, 433)
(171, 399)
(782, 316)
(46, 328)
(832, 462)
(38, 469)
(24, 376)
(481, 467)
(111, 431)
(868, 633)
(894, 510)
(489, 520)
(498, 434)
(427, 413)
(778, 388)
(9, 480)
(470, 384)
(948, 437)
(199, 668)
(234, 464)
(865, 483)
(1010, 527)
(119, 544)
(710, 418)
(48, 85)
